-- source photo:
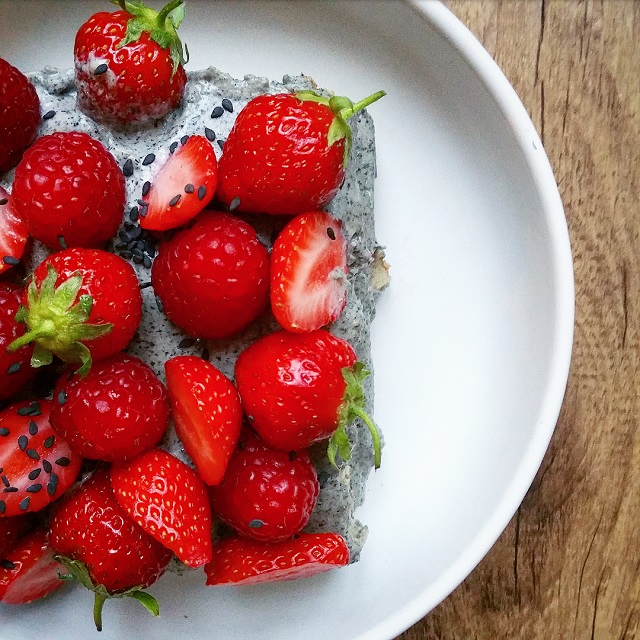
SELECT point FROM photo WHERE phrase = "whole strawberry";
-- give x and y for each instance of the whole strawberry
(286, 153)
(81, 304)
(298, 389)
(116, 412)
(212, 278)
(69, 191)
(19, 115)
(103, 548)
(128, 64)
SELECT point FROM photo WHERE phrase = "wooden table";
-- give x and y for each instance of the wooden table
(568, 565)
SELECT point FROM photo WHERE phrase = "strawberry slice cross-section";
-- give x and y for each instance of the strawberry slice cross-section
(13, 233)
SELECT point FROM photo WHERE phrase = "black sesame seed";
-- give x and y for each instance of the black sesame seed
(10, 490)
(143, 203)
(235, 203)
(100, 69)
(148, 159)
(3, 506)
(174, 201)
(4, 563)
(159, 304)
(137, 253)
(227, 105)
(173, 147)
(221, 144)
(4, 432)
(33, 428)
(256, 524)
(49, 442)
(5, 481)
(14, 367)
(63, 462)
(146, 262)
(184, 139)
(3, 201)
(323, 476)
(46, 465)
(62, 242)
(131, 245)
(137, 259)
(126, 255)
(49, 115)
(145, 285)
(133, 214)
(10, 260)
(22, 442)
(145, 188)
(135, 233)
(210, 134)
(217, 112)
(189, 188)
(185, 343)
(24, 504)
(331, 233)
(33, 454)
(62, 397)
(202, 192)
(34, 488)
(34, 474)
(53, 484)
(127, 168)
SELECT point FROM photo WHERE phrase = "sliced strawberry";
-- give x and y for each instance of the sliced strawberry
(13, 233)
(244, 561)
(10, 530)
(38, 466)
(207, 413)
(169, 501)
(183, 187)
(309, 272)
(29, 571)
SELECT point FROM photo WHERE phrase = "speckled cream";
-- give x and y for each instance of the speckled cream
(157, 340)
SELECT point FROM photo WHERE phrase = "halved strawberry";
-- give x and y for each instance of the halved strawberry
(169, 501)
(183, 187)
(244, 561)
(13, 233)
(29, 571)
(309, 272)
(207, 413)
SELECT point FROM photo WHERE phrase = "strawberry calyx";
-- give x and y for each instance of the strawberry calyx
(78, 571)
(343, 109)
(352, 407)
(162, 27)
(56, 324)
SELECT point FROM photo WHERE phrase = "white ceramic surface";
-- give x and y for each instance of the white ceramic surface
(472, 342)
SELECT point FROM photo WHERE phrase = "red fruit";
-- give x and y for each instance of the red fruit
(33, 458)
(207, 413)
(183, 187)
(242, 561)
(128, 64)
(103, 548)
(29, 571)
(69, 191)
(15, 370)
(19, 115)
(286, 153)
(13, 233)
(298, 389)
(309, 272)
(116, 412)
(267, 494)
(10, 530)
(213, 278)
(81, 304)
(169, 501)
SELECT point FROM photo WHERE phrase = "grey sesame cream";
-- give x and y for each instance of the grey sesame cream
(211, 104)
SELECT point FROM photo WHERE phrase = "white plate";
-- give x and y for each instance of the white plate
(473, 339)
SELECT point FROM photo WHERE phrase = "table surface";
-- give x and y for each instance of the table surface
(568, 564)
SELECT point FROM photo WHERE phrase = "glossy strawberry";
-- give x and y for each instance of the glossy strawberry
(183, 187)
(19, 115)
(116, 412)
(69, 190)
(103, 548)
(213, 278)
(81, 304)
(15, 370)
(38, 466)
(128, 64)
(286, 153)
(267, 494)
(207, 413)
(309, 272)
(13, 233)
(298, 389)
(10, 530)
(169, 501)
(29, 571)
(241, 561)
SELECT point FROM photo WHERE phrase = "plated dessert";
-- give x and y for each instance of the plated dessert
(189, 274)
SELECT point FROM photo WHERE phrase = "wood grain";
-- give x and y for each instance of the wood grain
(568, 565)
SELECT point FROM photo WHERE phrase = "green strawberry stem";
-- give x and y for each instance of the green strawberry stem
(352, 407)
(348, 112)
(98, 604)
(56, 323)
